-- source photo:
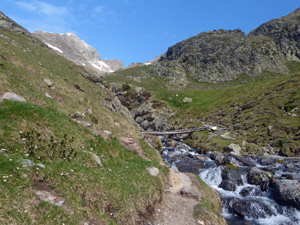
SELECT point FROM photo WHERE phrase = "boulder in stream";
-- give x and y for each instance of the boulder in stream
(250, 208)
(233, 148)
(267, 161)
(257, 176)
(234, 176)
(217, 157)
(287, 192)
(250, 191)
(228, 185)
(193, 165)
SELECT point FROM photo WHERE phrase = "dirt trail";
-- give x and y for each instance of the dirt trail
(180, 197)
(175, 209)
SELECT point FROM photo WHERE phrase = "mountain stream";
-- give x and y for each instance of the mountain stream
(242, 203)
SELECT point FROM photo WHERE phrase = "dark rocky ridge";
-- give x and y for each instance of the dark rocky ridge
(73, 48)
(222, 55)
(285, 31)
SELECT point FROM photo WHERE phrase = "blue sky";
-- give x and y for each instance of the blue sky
(139, 30)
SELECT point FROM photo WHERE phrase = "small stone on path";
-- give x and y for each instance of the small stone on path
(153, 171)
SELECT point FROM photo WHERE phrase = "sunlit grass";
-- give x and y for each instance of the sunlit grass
(117, 192)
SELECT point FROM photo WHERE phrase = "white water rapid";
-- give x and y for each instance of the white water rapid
(262, 208)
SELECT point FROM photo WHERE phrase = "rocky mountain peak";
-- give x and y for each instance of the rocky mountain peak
(190, 47)
(73, 48)
(275, 27)
(223, 55)
(285, 31)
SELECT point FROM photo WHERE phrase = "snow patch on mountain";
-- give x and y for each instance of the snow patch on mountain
(100, 65)
(53, 47)
(75, 49)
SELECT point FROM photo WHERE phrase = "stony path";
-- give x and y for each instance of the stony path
(180, 197)
(175, 209)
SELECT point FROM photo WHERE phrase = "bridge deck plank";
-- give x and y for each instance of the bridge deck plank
(174, 131)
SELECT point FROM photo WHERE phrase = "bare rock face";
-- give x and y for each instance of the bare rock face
(223, 55)
(285, 31)
(73, 48)
(114, 64)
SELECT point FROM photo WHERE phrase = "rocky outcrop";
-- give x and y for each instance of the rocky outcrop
(223, 55)
(8, 24)
(114, 105)
(218, 56)
(136, 101)
(13, 97)
(285, 32)
(73, 48)
(173, 71)
(151, 119)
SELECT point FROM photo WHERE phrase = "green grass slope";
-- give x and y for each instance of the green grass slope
(265, 113)
(121, 191)
(262, 110)
(139, 76)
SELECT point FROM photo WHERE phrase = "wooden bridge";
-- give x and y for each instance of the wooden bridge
(172, 132)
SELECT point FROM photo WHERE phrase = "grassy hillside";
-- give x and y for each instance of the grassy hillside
(64, 166)
(265, 113)
(262, 110)
(139, 76)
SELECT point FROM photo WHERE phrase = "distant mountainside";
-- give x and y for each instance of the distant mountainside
(132, 65)
(285, 32)
(73, 48)
(223, 55)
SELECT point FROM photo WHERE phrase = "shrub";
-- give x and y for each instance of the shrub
(43, 149)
